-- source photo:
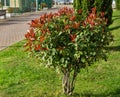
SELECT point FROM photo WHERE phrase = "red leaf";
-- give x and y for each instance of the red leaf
(37, 48)
(76, 25)
(44, 48)
(102, 14)
(27, 35)
(67, 27)
(72, 37)
(92, 23)
(79, 11)
(72, 18)
(32, 34)
(94, 10)
(34, 23)
(42, 39)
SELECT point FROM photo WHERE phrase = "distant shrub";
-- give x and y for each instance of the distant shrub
(10, 10)
(13, 10)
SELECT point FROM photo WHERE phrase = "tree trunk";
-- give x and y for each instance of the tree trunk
(68, 82)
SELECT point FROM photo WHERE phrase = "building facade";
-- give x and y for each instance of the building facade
(5, 2)
(25, 5)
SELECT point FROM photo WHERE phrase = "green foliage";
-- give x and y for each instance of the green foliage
(77, 4)
(118, 4)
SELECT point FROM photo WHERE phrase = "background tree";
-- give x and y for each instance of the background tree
(101, 6)
(1, 5)
(118, 4)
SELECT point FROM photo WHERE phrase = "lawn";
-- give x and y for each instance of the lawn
(22, 76)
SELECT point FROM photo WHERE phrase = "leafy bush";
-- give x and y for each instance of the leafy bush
(10, 10)
(13, 10)
(68, 41)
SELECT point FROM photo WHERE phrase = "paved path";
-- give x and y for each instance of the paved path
(13, 30)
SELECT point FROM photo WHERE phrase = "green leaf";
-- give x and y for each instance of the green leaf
(62, 60)
(83, 60)
(60, 33)
(53, 51)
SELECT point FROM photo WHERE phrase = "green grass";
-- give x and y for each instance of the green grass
(21, 76)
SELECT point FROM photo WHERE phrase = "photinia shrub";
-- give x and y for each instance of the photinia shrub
(68, 41)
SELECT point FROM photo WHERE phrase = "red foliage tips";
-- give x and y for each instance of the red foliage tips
(37, 47)
(94, 10)
(50, 15)
(72, 18)
(72, 37)
(39, 22)
(102, 14)
(79, 11)
(92, 18)
(42, 38)
(65, 11)
(76, 25)
(45, 30)
(67, 27)
(35, 23)
(30, 35)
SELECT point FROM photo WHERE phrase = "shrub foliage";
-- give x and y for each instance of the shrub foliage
(68, 41)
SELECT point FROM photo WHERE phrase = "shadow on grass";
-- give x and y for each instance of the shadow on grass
(116, 17)
(113, 48)
(114, 28)
(115, 93)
